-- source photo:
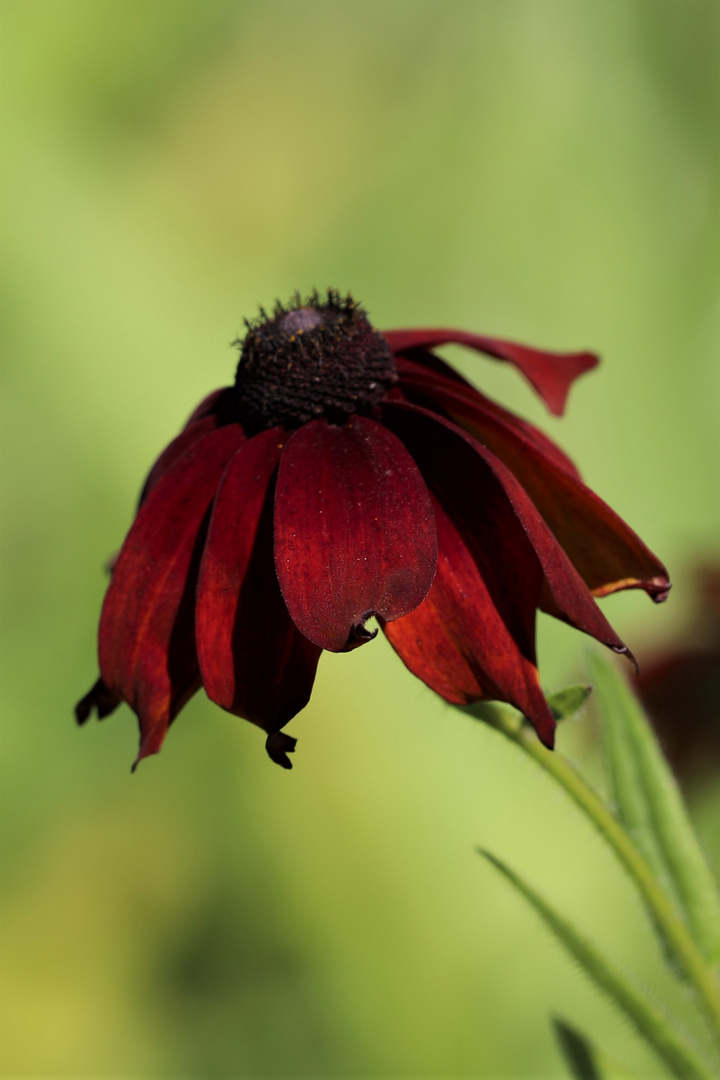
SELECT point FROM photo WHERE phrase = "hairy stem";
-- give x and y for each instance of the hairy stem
(697, 971)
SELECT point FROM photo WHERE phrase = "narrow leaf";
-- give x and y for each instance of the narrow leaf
(578, 1053)
(584, 1060)
(649, 805)
(649, 1021)
(567, 701)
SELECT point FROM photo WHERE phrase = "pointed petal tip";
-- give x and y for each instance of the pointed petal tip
(624, 651)
(150, 743)
(546, 735)
(142, 754)
(278, 746)
(141, 757)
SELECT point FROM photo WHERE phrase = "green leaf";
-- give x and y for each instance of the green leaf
(649, 1021)
(584, 1060)
(567, 701)
(648, 803)
(579, 1053)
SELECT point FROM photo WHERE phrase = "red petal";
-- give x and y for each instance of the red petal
(210, 405)
(458, 641)
(354, 530)
(607, 553)
(427, 386)
(426, 363)
(147, 648)
(191, 434)
(204, 419)
(470, 479)
(550, 373)
(254, 661)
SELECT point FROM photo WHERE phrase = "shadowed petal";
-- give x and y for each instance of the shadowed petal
(278, 746)
(354, 530)
(99, 698)
(457, 641)
(426, 363)
(607, 553)
(474, 484)
(551, 374)
(254, 660)
(147, 647)
(210, 414)
(212, 405)
(509, 434)
(172, 453)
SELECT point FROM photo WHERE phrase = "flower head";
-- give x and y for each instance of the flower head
(350, 474)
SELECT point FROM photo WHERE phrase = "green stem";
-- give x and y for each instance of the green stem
(698, 974)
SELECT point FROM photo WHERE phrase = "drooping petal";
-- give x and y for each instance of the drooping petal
(551, 374)
(254, 661)
(190, 435)
(473, 484)
(428, 386)
(354, 530)
(210, 414)
(606, 552)
(425, 363)
(147, 646)
(458, 642)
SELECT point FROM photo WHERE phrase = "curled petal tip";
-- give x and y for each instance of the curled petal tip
(359, 634)
(83, 710)
(100, 698)
(278, 746)
(660, 592)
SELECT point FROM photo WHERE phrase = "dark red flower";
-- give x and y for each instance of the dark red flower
(350, 474)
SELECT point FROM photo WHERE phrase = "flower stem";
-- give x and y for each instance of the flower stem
(698, 973)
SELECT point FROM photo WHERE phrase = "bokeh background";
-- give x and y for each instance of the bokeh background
(546, 170)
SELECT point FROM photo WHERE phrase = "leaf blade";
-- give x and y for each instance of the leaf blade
(649, 805)
(566, 702)
(582, 1058)
(647, 1018)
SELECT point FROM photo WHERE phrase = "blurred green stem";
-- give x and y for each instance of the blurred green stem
(698, 973)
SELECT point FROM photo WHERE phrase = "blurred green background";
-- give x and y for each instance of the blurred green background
(545, 170)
